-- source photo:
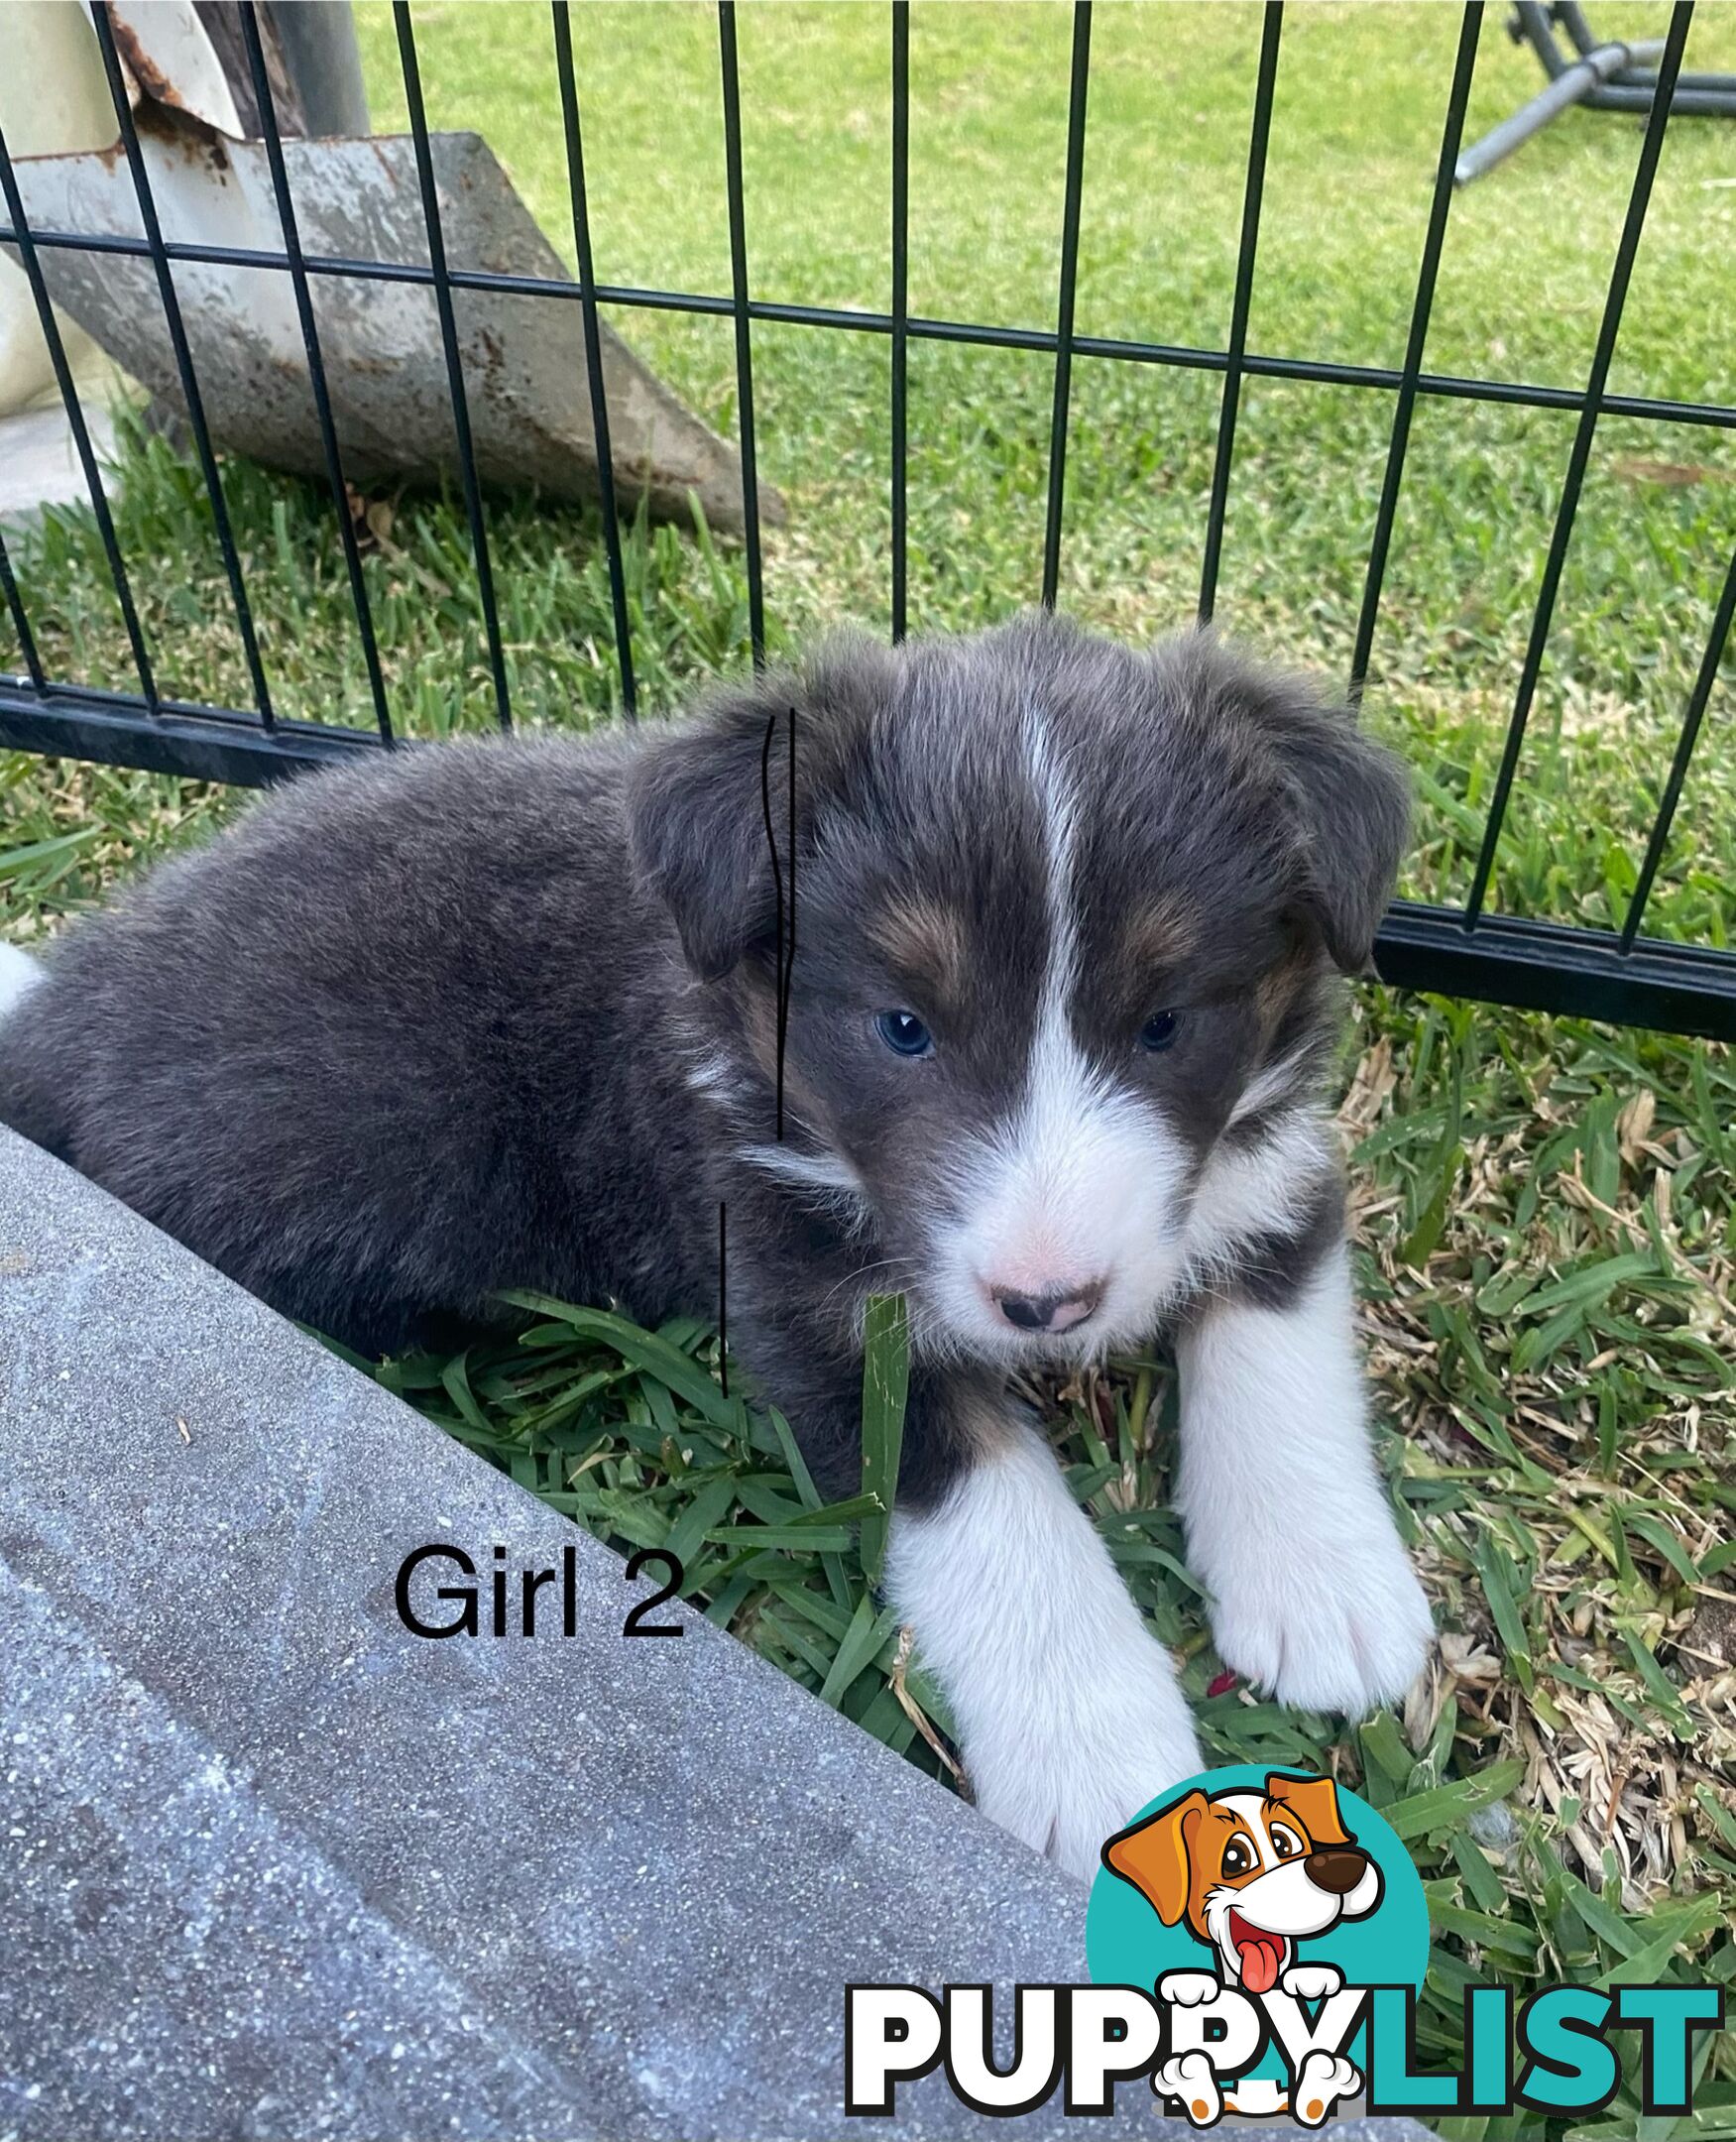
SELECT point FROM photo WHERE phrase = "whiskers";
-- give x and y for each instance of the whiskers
(852, 1280)
(932, 1337)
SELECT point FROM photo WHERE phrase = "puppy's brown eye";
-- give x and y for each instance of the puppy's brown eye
(1237, 1859)
(1284, 1843)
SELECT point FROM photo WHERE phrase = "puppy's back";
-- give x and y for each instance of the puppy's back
(329, 1031)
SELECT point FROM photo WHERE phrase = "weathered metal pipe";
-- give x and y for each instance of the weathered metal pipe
(1568, 87)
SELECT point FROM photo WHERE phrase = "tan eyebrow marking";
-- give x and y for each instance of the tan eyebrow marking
(1280, 986)
(1160, 932)
(924, 938)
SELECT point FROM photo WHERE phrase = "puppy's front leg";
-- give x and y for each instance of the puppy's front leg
(1288, 1521)
(1066, 1705)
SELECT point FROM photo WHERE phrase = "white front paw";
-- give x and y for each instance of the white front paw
(1188, 2077)
(1311, 1981)
(1333, 1624)
(1083, 1756)
(1323, 2082)
(1188, 1988)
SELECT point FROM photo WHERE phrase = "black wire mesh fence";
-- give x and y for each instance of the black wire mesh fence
(1467, 950)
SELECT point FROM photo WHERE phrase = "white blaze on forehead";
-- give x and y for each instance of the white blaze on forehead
(1059, 812)
(1077, 1186)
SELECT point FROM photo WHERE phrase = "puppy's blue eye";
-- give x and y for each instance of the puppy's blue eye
(1160, 1030)
(904, 1033)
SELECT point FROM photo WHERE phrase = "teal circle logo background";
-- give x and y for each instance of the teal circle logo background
(1127, 1944)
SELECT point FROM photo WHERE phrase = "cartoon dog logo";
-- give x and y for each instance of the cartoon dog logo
(1252, 1875)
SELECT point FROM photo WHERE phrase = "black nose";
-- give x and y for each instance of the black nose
(1058, 1310)
(1337, 1873)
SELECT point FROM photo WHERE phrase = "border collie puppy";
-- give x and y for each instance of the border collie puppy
(1064, 993)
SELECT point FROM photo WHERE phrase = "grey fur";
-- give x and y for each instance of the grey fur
(495, 1014)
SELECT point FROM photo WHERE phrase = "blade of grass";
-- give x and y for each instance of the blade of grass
(885, 1386)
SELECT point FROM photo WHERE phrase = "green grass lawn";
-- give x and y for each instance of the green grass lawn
(1547, 1220)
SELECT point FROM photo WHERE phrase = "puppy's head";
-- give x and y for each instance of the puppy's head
(1064, 912)
(1250, 1873)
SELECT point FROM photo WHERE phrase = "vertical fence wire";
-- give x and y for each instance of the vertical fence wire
(900, 310)
(1698, 702)
(1075, 106)
(183, 361)
(27, 646)
(274, 146)
(1458, 97)
(575, 150)
(64, 380)
(744, 333)
(1627, 251)
(1259, 133)
(1237, 362)
(424, 155)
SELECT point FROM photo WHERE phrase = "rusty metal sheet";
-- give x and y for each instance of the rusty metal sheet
(167, 55)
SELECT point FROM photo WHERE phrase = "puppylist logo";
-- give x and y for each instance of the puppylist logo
(1274, 1917)
(1256, 1941)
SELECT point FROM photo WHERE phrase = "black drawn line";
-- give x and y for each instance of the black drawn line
(723, 1295)
(786, 922)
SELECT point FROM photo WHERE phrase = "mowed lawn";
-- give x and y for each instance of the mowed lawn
(1356, 132)
(1546, 1220)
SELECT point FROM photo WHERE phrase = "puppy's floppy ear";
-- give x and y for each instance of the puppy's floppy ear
(1153, 1856)
(696, 827)
(697, 796)
(1349, 802)
(1313, 1801)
